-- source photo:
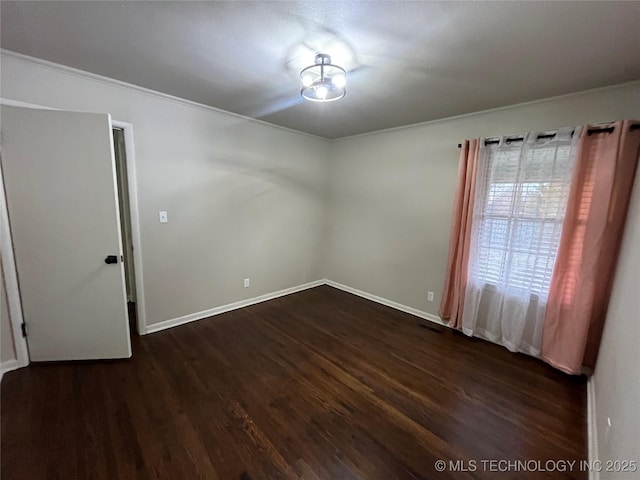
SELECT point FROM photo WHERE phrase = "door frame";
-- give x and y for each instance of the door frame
(6, 241)
(12, 288)
(132, 185)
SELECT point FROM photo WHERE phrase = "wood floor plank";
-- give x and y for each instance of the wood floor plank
(320, 384)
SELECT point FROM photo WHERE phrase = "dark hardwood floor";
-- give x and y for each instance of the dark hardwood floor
(320, 384)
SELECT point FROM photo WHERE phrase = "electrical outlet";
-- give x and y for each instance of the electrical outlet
(430, 296)
(247, 282)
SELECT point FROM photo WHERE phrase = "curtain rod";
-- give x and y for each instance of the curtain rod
(591, 131)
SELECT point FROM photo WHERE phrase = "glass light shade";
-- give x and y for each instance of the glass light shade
(339, 80)
(323, 82)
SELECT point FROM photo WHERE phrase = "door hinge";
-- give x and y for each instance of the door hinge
(23, 326)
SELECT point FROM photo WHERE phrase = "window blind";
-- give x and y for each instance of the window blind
(520, 214)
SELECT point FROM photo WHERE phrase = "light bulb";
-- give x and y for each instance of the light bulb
(322, 91)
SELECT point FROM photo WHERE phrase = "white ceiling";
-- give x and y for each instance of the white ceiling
(409, 62)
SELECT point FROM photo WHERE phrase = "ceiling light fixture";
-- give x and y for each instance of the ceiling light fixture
(323, 82)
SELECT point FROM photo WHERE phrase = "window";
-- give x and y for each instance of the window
(520, 213)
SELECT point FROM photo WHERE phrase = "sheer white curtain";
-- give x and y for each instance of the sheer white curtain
(520, 202)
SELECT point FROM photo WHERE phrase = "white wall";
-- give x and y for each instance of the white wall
(616, 379)
(244, 199)
(391, 192)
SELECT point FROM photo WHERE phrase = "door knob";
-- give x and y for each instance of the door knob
(111, 259)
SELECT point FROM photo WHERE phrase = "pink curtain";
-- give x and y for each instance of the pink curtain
(460, 237)
(592, 232)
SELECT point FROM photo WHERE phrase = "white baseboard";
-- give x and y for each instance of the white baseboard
(592, 427)
(388, 303)
(192, 317)
(8, 366)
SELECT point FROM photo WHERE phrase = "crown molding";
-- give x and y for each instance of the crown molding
(137, 88)
(493, 110)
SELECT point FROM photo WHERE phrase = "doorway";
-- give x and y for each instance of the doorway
(122, 179)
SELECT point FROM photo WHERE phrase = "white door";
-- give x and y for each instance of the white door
(60, 182)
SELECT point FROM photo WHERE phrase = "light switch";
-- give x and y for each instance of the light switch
(163, 217)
